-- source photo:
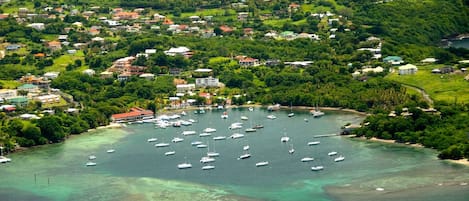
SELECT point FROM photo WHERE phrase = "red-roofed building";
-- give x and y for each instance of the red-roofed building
(226, 29)
(168, 21)
(207, 97)
(135, 114)
(248, 61)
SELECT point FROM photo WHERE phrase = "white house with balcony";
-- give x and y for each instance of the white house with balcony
(207, 82)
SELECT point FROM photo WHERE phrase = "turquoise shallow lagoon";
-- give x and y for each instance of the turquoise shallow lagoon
(140, 171)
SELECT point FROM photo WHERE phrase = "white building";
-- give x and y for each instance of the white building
(407, 69)
(51, 75)
(206, 82)
(7, 93)
(51, 98)
(177, 51)
(37, 26)
(89, 72)
(184, 88)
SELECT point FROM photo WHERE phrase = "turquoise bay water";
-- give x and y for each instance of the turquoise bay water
(139, 171)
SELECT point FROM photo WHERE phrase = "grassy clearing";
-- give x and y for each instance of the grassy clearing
(61, 103)
(440, 87)
(10, 84)
(210, 12)
(61, 62)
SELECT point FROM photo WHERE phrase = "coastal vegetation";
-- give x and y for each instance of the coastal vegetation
(411, 29)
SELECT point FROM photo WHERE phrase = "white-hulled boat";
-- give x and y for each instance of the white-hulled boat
(205, 134)
(195, 143)
(91, 157)
(236, 136)
(244, 118)
(340, 158)
(291, 150)
(208, 167)
(307, 159)
(250, 130)
(258, 126)
(262, 163)
(4, 159)
(152, 139)
(185, 133)
(202, 146)
(192, 120)
(306, 120)
(186, 123)
(213, 154)
(316, 113)
(332, 153)
(224, 115)
(284, 139)
(251, 109)
(169, 153)
(317, 168)
(177, 139)
(235, 126)
(271, 116)
(209, 130)
(207, 159)
(246, 147)
(89, 163)
(161, 145)
(219, 138)
(245, 156)
(291, 114)
(183, 113)
(110, 151)
(313, 143)
(184, 165)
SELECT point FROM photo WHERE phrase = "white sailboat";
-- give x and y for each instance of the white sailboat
(195, 143)
(202, 146)
(271, 116)
(236, 136)
(332, 153)
(152, 139)
(177, 139)
(161, 145)
(208, 167)
(169, 153)
(207, 159)
(246, 147)
(209, 130)
(245, 118)
(251, 109)
(262, 163)
(339, 159)
(91, 157)
(307, 159)
(90, 163)
(291, 150)
(205, 134)
(316, 112)
(244, 156)
(110, 151)
(291, 114)
(186, 133)
(224, 115)
(219, 138)
(212, 153)
(317, 168)
(313, 143)
(184, 165)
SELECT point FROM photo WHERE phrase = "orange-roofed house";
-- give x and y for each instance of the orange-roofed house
(39, 55)
(293, 7)
(207, 97)
(226, 29)
(135, 114)
(168, 21)
(54, 45)
(248, 62)
(126, 15)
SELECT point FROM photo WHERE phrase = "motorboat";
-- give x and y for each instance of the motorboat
(224, 115)
(195, 143)
(250, 130)
(110, 151)
(202, 146)
(152, 139)
(306, 120)
(186, 123)
(246, 147)
(307, 159)
(177, 139)
(244, 118)
(176, 124)
(291, 114)
(316, 113)
(161, 145)
(207, 159)
(284, 139)
(235, 126)
(332, 153)
(4, 159)
(313, 143)
(205, 134)
(219, 138)
(271, 116)
(340, 158)
(245, 156)
(185, 133)
(251, 109)
(91, 157)
(236, 136)
(184, 165)
(317, 168)
(192, 120)
(213, 154)
(208, 167)
(262, 163)
(169, 153)
(258, 126)
(291, 150)
(209, 130)
(89, 163)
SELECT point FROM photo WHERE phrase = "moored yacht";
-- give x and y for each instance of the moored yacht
(208, 167)
(262, 163)
(291, 114)
(169, 153)
(332, 153)
(244, 156)
(250, 130)
(219, 138)
(161, 145)
(89, 163)
(236, 135)
(340, 158)
(210, 130)
(246, 147)
(207, 159)
(110, 151)
(213, 154)
(152, 139)
(317, 168)
(177, 139)
(271, 116)
(244, 118)
(91, 157)
(307, 159)
(195, 143)
(205, 134)
(188, 133)
(224, 115)
(184, 165)
(284, 139)
(313, 143)
(202, 146)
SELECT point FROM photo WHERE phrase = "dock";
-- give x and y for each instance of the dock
(326, 135)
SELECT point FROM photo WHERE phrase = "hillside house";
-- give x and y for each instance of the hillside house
(407, 69)
(394, 60)
(54, 45)
(50, 98)
(249, 62)
(184, 51)
(207, 82)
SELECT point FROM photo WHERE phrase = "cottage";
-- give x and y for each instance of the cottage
(7, 93)
(243, 16)
(54, 45)
(206, 82)
(148, 76)
(89, 72)
(394, 60)
(429, 60)
(37, 26)
(106, 74)
(13, 47)
(51, 75)
(184, 51)
(248, 62)
(408, 69)
(124, 76)
(126, 16)
(135, 114)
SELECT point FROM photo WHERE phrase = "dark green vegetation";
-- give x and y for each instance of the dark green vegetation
(411, 29)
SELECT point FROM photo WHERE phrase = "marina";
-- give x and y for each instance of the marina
(252, 174)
